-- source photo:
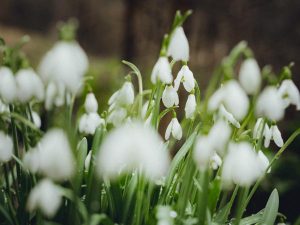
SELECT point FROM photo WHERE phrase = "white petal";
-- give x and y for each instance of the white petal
(228, 116)
(263, 161)
(169, 130)
(176, 129)
(277, 136)
(289, 91)
(268, 135)
(36, 119)
(203, 151)
(179, 46)
(249, 76)
(190, 106)
(170, 97)
(90, 104)
(6, 147)
(8, 89)
(257, 130)
(162, 71)
(188, 79)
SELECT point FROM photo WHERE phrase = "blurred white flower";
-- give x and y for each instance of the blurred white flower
(133, 146)
(55, 95)
(179, 46)
(8, 87)
(290, 93)
(3, 107)
(29, 86)
(264, 162)
(175, 129)
(88, 161)
(270, 104)
(6, 147)
(89, 122)
(224, 114)
(267, 134)
(233, 97)
(162, 71)
(215, 161)
(219, 135)
(190, 106)
(186, 76)
(241, 165)
(249, 76)
(203, 151)
(90, 104)
(123, 97)
(36, 119)
(117, 116)
(45, 196)
(170, 96)
(165, 215)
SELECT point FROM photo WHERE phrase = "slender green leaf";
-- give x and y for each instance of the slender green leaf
(271, 209)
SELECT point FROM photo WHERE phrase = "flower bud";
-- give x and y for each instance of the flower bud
(170, 97)
(91, 104)
(179, 46)
(249, 76)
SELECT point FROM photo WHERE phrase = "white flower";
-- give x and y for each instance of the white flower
(233, 97)
(6, 147)
(123, 97)
(190, 106)
(290, 93)
(3, 107)
(8, 88)
(45, 196)
(268, 133)
(219, 135)
(174, 128)
(90, 104)
(263, 161)
(179, 46)
(162, 71)
(66, 63)
(117, 116)
(53, 156)
(36, 119)
(170, 97)
(203, 151)
(29, 86)
(249, 76)
(186, 76)
(87, 161)
(55, 95)
(89, 122)
(165, 215)
(276, 135)
(270, 104)
(130, 147)
(215, 161)
(241, 165)
(223, 113)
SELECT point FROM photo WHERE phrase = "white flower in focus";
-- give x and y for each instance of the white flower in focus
(170, 97)
(179, 46)
(133, 146)
(215, 161)
(290, 93)
(224, 114)
(190, 106)
(203, 151)
(175, 129)
(89, 122)
(219, 135)
(240, 165)
(45, 196)
(8, 88)
(90, 104)
(6, 147)
(88, 161)
(29, 86)
(186, 76)
(165, 215)
(269, 133)
(117, 116)
(270, 104)
(264, 162)
(249, 76)
(36, 119)
(162, 71)
(276, 135)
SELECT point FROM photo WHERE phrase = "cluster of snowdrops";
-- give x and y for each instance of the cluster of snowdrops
(115, 167)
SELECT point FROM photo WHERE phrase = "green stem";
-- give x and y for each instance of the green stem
(241, 205)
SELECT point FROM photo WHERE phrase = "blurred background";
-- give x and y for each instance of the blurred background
(111, 30)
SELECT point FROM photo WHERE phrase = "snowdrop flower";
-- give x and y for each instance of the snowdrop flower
(162, 71)
(87, 161)
(190, 106)
(133, 146)
(203, 151)
(3, 107)
(223, 113)
(66, 63)
(117, 116)
(36, 119)
(55, 95)
(8, 88)
(53, 156)
(123, 97)
(249, 76)
(89, 122)
(170, 96)
(90, 104)
(276, 135)
(263, 161)
(29, 86)
(165, 215)
(290, 93)
(233, 97)
(215, 161)
(186, 76)
(179, 46)
(6, 147)
(219, 135)
(45, 196)
(240, 166)
(175, 129)
(270, 104)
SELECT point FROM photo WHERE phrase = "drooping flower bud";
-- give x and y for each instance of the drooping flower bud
(170, 97)
(162, 71)
(90, 104)
(179, 46)
(249, 76)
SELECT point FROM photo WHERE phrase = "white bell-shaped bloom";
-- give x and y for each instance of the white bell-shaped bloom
(268, 133)
(215, 161)
(36, 119)
(55, 95)
(270, 104)
(162, 71)
(290, 93)
(263, 162)
(89, 122)
(87, 161)
(90, 104)
(45, 196)
(123, 97)
(132, 147)
(179, 46)
(190, 106)
(185, 75)
(165, 215)
(53, 156)
(8, 87)
(117, 116)
(175, 129)
(170, 96)
(249, 76)
(29, 86)
(66, 63)
(240, 165)
(233, 97)
(6, 147)
(276, 136)
(223, 113)
(219, 135)
(203, 151)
